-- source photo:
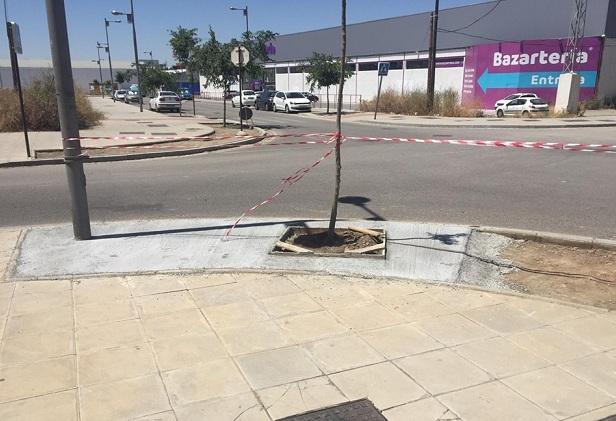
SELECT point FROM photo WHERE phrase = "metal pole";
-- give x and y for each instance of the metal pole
(109, 53)
(241, 56)
(192, 83)
(378, 96)
(432, 57)
(17, 86)
(132, 12)
(100, 71)
(69, 124)
(246, 14)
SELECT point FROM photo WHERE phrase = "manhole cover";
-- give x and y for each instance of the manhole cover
(132, 132)
(158, 125)
(164, 134)
(361, 410)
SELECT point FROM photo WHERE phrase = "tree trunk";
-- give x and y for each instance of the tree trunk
(327, 90)
(224, 107)
(331, 233)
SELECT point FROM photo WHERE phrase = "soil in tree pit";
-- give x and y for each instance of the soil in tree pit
(317, 241)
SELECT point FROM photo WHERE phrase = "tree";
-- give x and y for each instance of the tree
(182, 42)
(154, 77)
(255, 44)
(213, 61)
(122, 77)
(324, 71)
(331, 232)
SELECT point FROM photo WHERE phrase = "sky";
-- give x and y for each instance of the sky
(153, 18)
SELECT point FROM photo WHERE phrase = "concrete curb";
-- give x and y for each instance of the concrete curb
(484, 126)
(551, 238)
(139, 156)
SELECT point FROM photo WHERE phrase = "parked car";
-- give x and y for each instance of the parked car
(120, 94)
(524, 106)
(291, 102)
(512, 97)
(231, 94)
(185, 94)
(265, 101)
(248, 99)
(166, 100)
(131, 96)
(312, 97)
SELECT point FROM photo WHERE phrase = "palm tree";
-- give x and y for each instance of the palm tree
(331, 233)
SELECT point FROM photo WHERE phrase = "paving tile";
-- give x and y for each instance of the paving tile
(55, 406)
(503, 318)
(454, 329)
(109, 335)
(41, 302)
(558, 392)
(367, 316)
(493, 401)
(552, 344)
(254, 338)
(306, 282)
(39, 378)
(108, 365)
(58, 320)
(220, 295)
(442, 371)
(41, 287)
(164, 303)
(342, 353)
(299, 397)
(598, 370)
(311, 326)
(159, 416)
(547, 312)
(421, 306)
(500, 357)
(201, 280)
(289, 305)
(424, 410)
(7, 288)
(384, 384)
(596, 331)
(602, 414)
(124, 399)
(462, 299)
(40, 346)
(4, 306)
(339, 296)
(276, 367)
(267, 286)
(187, 350)
(400, 341)
(175, 324)
(157, 284)
(235, 314)
(243, 407)
(393, 292)
(214, 379)
(110, 311)
(100, 290)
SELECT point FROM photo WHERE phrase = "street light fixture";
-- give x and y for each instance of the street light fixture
(150, 53)
(107, 22)
(130, 18)
(245, 12)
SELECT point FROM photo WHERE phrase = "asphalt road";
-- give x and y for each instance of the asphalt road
(532, 189)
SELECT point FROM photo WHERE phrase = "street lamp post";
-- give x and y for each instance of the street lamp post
(150, 53)
(100, 69)
(245, 12)
(107, 22)
(130, 18)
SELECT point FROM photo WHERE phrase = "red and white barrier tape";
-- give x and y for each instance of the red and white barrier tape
(176, 138)
(287, 181)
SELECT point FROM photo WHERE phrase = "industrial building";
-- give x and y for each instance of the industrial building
(529, 38)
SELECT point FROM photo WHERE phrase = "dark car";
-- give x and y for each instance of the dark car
(265, 101)
(185, 94)
(311, 97)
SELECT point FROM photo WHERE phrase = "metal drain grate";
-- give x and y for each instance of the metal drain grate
(361, 410)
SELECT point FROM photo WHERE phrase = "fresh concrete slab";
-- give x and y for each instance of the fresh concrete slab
(415, 250)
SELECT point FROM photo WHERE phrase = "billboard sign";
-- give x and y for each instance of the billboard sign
(494, 71)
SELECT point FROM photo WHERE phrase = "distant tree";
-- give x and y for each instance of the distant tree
(255, 42)
(123, 76)
(324, 71)
(213, 61)
(182, 42)
(154, 77)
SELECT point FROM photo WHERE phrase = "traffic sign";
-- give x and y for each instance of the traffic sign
(245, 113)
(14, 28)
(240, 55)
(383, 68)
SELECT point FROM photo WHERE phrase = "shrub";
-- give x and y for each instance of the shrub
(42, 108)
(446, 103)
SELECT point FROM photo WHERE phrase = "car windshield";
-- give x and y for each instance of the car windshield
(510, 97)
(249, 92)
(272, 94)
(122, 92)
(538, 101)
(294, 95)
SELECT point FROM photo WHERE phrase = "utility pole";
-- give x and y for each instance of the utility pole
(107, 22)
(432, 57)
(576, 33)
(12, 30)
(100, 69)
(69, 124)
(130, 18)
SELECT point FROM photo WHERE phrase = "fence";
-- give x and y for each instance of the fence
(349, 101)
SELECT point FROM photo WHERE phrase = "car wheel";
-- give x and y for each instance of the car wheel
(525, 114)
(500, 113)
(275, 108)
(233, 104)
(286, 109)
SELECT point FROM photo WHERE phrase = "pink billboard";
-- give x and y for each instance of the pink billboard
(494, 71)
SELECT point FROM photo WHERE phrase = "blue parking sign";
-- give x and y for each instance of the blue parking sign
(383, 68)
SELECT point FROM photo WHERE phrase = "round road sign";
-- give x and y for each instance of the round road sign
(240, 54)
(245, 113)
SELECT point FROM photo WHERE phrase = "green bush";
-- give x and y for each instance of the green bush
(446, 103)
(42, 108)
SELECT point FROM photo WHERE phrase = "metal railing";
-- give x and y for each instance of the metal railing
(349, 102)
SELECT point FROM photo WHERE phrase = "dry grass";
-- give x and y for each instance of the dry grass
(42, 108)
(446, 103)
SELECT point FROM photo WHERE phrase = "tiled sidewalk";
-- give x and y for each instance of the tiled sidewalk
(261, 347)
